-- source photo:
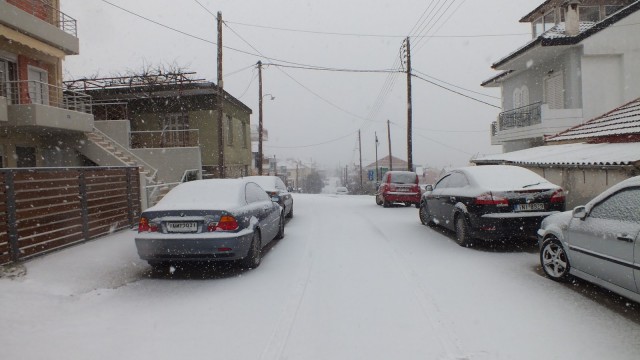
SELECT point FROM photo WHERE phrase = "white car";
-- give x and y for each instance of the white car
(598, 242)
(341, 190)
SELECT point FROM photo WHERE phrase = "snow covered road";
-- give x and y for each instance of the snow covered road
(350, 280)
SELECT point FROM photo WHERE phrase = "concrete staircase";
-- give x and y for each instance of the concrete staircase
(105, 151)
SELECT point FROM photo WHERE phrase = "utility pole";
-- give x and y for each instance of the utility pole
(389, 139)
(409, 110)
(360, 150)
(376, 135)
(260, 129)
(220, 102)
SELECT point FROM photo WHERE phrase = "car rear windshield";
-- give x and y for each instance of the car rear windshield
(404, 178)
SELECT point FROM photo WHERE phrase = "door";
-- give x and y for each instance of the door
(451, 196)
(602, 245)
(434, 200)
(38, 86)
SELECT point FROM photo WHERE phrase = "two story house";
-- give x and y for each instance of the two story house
(581, 63)
(40, 122)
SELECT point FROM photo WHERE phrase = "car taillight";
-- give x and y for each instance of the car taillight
(227, 223)
(145, 226)
(558, 196)
(490, 199)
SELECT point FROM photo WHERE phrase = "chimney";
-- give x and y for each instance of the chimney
(571, 18)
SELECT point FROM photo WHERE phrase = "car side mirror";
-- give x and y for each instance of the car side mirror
(580, 212)
(428, 187)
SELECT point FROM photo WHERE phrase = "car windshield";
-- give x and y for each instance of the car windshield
(244, 179)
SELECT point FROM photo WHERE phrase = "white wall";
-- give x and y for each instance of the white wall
(611, 67)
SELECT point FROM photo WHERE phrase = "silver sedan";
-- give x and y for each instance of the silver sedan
(206, 220)
(598, 242)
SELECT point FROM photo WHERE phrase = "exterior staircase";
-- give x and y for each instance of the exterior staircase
(105, 151)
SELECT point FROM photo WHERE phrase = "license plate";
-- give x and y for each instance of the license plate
(530, 207)
(182, 227)
(403, 190)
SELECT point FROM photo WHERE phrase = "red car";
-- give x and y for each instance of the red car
(399, 187)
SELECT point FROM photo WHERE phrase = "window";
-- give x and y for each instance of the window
(245, 128)
(458, 180)
(229, 130)
(443, 183)
(38, 86)
(254, 193)
(8, 74)
(544, 23)
(174, 129)
(623, 206)
(520, 97)
(589, 13)
(26, 156)
(554, 90)
(611, 9)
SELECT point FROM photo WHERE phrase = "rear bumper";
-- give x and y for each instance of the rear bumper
(506, 227)
(163, 248)
(413, 198)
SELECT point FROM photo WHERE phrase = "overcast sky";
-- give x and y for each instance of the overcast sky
(316, 114)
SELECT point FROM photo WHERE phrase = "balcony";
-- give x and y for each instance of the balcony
(34, 103)
(532, 122)
(40, 20)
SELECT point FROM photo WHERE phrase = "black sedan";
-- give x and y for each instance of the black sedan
(492, 202)
(207, 220)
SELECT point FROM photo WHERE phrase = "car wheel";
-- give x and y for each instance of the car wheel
(462, 232)
(290, 214)
(407, 204)
(425, 218)
(417, 205)
(254, 257)
(280, 233)
(378, 201)
(554, 260)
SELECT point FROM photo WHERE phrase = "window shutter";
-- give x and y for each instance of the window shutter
(554, 88)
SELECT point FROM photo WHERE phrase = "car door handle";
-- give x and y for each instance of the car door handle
(624, 237)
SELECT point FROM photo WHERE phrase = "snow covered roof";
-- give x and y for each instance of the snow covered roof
(624, 120)
(554, 37)
(580, 154)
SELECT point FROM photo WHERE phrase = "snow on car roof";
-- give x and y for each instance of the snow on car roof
(204, 195)
(505, 177)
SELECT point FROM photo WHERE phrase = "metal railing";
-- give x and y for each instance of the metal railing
(165, 139)
(36, 92)
(521, 117)
(45, 11)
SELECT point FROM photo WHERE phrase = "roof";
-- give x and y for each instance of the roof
(553, 38)
(624, 120)
(384, 162)
(579, 154)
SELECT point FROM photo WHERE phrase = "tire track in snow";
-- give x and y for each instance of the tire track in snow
(280, 336)
(446, 336)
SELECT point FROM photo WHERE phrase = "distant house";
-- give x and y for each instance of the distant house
(582, 61)
(588, 158)
(385, 164)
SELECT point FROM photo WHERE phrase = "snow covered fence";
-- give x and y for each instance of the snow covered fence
(44, 209)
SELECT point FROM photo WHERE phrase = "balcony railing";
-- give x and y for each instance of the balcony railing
(44, 10)
(36, 92)
(520, 117)
(165, 139)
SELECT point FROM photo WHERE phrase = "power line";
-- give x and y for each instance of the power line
(329, 33)
(384, 71)
(313, 145)
(456, 86)
(455, 92)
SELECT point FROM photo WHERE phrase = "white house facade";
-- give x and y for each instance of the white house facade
(582, 62)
